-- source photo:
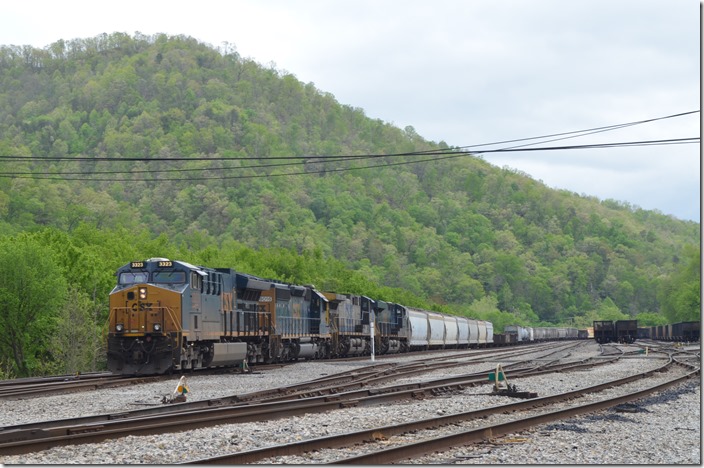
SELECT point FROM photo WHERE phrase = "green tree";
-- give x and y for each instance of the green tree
(650, 319)
(32, 292)
(77, 344)
(449, 230)
(680, 295)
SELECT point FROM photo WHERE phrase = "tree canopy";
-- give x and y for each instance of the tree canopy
(120, 147)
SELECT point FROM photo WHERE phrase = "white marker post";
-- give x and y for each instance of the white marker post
(371, 330)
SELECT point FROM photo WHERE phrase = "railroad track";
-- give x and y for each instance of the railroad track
(25, 388)
(16, 389)
(366, 440)
(21, 388)
(327, 393)
(340, 381)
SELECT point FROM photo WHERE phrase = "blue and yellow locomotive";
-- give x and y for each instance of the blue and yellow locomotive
(166, 315)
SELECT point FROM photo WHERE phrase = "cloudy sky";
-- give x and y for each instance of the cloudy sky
(465, 72)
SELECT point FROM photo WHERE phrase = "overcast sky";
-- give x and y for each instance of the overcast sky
(465, 72)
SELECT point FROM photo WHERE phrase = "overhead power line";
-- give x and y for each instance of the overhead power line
(437, 155)
(472, 148)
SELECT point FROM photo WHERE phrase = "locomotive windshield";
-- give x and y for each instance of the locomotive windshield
(133, 278)
(169, 277)
(161, 277)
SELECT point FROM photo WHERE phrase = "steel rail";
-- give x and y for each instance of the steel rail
(328, 385)
(54, 378)
(53, 431)
(368, 435)
(15, 441)
(490, 431)
(28, 390)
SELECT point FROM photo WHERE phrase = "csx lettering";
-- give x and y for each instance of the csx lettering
(142, 306)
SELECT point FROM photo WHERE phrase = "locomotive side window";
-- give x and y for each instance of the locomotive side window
(133, 278)
(169, 277)
(196, 281)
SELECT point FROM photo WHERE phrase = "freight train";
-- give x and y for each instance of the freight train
(620, 331)
(627, 331)
(168, 316)
(517, 334)
(682, 331)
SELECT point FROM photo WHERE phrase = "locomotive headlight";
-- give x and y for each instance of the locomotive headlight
(142, 293)
(119, 328)
(157, 327)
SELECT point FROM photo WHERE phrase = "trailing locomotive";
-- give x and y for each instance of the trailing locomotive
(168, 316)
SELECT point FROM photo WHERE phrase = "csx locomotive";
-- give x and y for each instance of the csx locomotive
(168, 316)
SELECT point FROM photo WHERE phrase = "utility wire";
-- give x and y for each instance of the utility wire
(447, 153)
(443, 156)
(588, 131)
(575, 134)
(348, 158)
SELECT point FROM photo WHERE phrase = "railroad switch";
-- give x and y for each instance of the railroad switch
(510, 390)
(179, 395)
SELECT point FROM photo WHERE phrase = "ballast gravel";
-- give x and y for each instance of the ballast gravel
(661, 429)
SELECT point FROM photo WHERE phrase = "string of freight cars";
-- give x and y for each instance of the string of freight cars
(169, 315)
(627, 331)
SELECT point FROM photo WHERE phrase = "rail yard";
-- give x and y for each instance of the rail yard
(434, 408)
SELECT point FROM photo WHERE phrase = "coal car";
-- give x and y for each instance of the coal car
(626, 331)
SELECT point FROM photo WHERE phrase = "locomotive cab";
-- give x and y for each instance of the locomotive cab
(144, 331)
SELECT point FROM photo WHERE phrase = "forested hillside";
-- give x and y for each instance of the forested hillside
(118, 148)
